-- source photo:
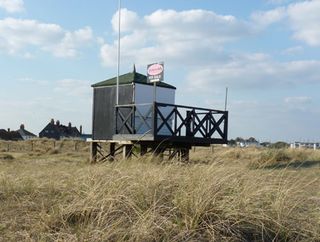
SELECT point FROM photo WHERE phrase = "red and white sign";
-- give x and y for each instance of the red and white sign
(155, 72)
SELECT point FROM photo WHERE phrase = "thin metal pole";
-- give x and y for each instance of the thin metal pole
(226, 100)
(119, 36)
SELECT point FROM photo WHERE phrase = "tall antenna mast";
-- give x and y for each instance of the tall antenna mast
(119, 36)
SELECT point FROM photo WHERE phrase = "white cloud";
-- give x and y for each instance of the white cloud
(297, 100)
(269, 17)
(68, 46)
(174, 35)
(302, 17)
(129, 20)
(247, 72)
(12, 6)
(195, 39)
(18, 35)
(293, 50)
(299, 103)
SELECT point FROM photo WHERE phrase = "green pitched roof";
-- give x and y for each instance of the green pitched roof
(132, 77)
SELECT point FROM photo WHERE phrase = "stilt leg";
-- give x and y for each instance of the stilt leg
(127, 151)
(112, 151)
(143, 150)
(185, 155)
(93, 152)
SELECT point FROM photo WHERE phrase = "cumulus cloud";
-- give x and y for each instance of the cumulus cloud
(129, 21)
(174, 35)
(18, 35)
(12, 6)
(196, 37)
(302, 17)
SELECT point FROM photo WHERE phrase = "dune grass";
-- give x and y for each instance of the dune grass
(227, 195)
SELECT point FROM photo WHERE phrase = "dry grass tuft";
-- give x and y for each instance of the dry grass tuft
(6, 157)
(54, 151)
(273, 158)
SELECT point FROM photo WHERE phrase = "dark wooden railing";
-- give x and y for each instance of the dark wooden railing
(172, 122)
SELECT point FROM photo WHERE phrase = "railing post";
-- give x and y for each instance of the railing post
(188, 124)
(175, 121)
(207, 117)
(194, 113)
(225, 130)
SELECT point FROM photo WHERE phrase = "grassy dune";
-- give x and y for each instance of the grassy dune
(228, 195)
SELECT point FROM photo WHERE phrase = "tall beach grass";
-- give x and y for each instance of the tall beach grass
(60, 197)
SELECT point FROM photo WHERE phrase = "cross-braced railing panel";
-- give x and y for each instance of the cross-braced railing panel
(173, 122)
(133, 119)
(190, 122)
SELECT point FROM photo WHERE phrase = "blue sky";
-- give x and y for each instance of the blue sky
(266, 52)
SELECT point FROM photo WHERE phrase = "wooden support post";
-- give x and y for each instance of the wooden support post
(75, 145)
(143, 150)
(31, 145)
(185, 155)
(188, 124)
(112, 151)
(8, 146)
(212, 149)
(127, 151)
(93, 152)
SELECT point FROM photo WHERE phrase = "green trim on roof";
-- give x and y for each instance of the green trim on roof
(129, 78)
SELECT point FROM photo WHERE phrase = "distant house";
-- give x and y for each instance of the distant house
(247, 143)
(10, 135)
(55, 130)
(305, 145)
(4, 134)
(25, 134)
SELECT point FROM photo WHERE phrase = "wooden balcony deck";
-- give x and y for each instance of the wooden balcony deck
(161, 122)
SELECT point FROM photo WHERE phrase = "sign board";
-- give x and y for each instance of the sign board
(155, 72)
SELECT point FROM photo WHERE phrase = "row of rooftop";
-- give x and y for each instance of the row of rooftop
(53, 130)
